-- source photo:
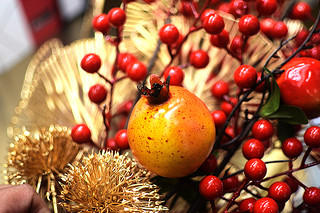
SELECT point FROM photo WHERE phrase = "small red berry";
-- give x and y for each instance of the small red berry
(117, 17)
(219, 89)
(210, 187)
(121, 139)
(253, 148)
(249, 25)
(169, 34)
(213, 24)
(209, 165)
(245, 76)
(176, 75)
(186, 7)
(280, 30)
(206, 13)
(301, 10)
(101, 23)
(314, 52)
(220, 40)
(137, 71)
(301, 37)
(97, 93)
(247, 205)
(292, 147)
(225, 7)
(279, 191)
(292, 184)
(239, 8)
(262, 130)
(124, 59)
(80, 133)
(111, 144)
(311, 196)
(265, 205)
(91, 63)
(266, 26)
(236, 45)
(219, 118)
(255, 169)
(312, 137)
(266, 7)
(231, 183)
(199, 59)
(227, 106)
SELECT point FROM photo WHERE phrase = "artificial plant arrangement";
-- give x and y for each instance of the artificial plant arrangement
(176, 105)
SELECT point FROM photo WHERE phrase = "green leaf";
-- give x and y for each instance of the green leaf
(289, 114)
(273, 103)
(285, 130)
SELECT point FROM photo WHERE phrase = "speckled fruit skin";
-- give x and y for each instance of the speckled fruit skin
(174, 138)
(299, 85)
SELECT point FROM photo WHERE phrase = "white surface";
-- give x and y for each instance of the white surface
(70, 9)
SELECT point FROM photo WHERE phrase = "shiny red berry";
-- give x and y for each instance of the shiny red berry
(80, 133)
(137, 71)
(101, 23)
(117, 17)
(124, 59)
(121, 139)
(219, 118)
(301, 37)
(246, 205)
(220, 40)
(213, 24)
(245, 76)
(176, 75)
(312, 137)
(239, 8)
(231, 183)
(219, 89)
(227, 106)
(236, 45)
(292, 147)
(280, 30)
(210, 187)
(225, 7)
(265, 205)
(266, 26)
(314, 52)
(253, 148)
(206, 13)
(169, 34)
(292, 184)
(255, 169)
(311, 196)
(301, 10)
(249, 25)
(279, 191)
(266, 7)
(111, 144)
(186, 8)
(91, 63)
(262, 130)
(209, 165)
(97, 93)
(199, 59)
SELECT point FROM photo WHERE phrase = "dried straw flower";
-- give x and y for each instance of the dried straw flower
(109, 182)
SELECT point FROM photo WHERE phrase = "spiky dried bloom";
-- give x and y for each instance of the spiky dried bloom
(109, 182)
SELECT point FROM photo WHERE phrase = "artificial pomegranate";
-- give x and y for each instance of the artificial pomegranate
(299, 85)
(170, 131)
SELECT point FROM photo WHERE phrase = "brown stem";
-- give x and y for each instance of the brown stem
(236, 194)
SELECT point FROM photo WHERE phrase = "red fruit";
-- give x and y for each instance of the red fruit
(266, 7)
(255, 169)
(80, 133)
(314, 52)
(225, 7)
(214, 1)
(249, 25)
(231, 183)
(247, 205)
(210, 187)
(312, 137)
(121, 139)
(265, 205)
(280, 30)
(299, 85)
(125, 107)
(292, 184)
(253, 148)
(245, 76)
(279, 191)
(292, 147)
(213, 24)
(169, 34)
(219, 118)
(111, 144)
(301, 10)
(266, 26)
(206, 13)
(90, 63)
(97, 93)
(239, 8)
(137, 71)
(117, 17)
(219, 89)
(262, 130)
(227, 106)
(209, 165)
(220, 40)
(101, 23)
(176, 75)
(186, 8)
(301, 37)
(199, 59)
(236, 45)
(125, 59)
(311, 196)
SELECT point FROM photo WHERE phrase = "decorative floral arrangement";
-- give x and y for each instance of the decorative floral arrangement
(179, 106)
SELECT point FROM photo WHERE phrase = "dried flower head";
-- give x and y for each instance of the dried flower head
(109, 182)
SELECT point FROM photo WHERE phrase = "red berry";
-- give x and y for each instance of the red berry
(225, 7)
(231, 183)
(292, 147)
(111, 144)
(236, 45)
(292, 184)
(266, 26)
(311, 196)
(101, 23)
(227, 106)
(262, 130)
(214, 1)
(210, 164)
(280, 30)
(137, 71)
(169, 34)
(245, 76)
(247, 205)
(186, 8)
(124, 59)
(301, 36)
(314, 52)
(301, 10)
(97, 93)
(219, 118)
(279, 191)
(176, 75)
(117, 17)
(210, 187)
(125, 107)
(265, 205)
(239, 8)
(121, 139)
(213, 24)
(249, 25)
(219, 89)
(266, 7)
(315, 39)
(206, 13)
(91, 63)
(199, 59)
(80, 133)
(312, 137)
(220, 40)
(253, 148)
(255, 169)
